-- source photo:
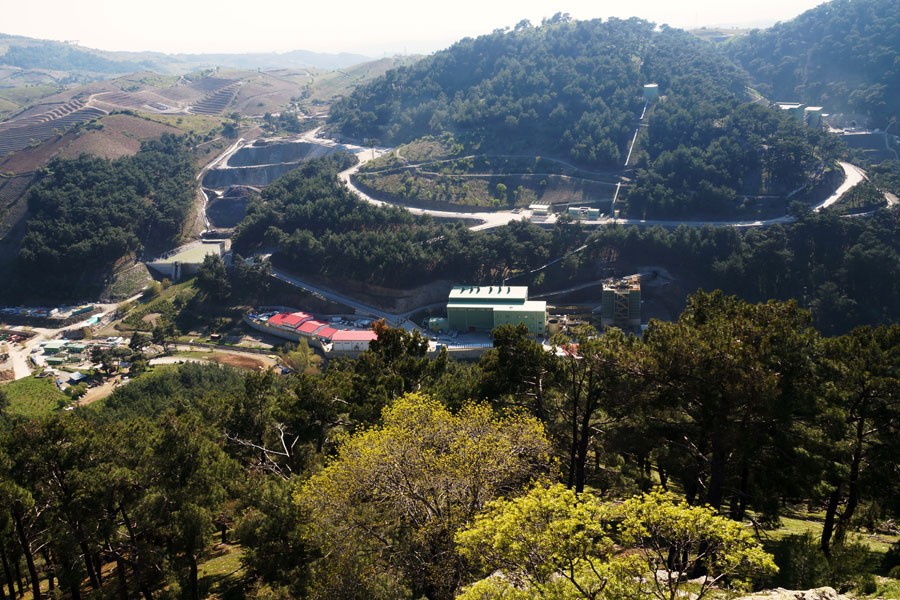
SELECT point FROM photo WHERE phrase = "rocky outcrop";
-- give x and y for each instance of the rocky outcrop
(823, 593)
(271, 153)
(218, 179)
(261, 164)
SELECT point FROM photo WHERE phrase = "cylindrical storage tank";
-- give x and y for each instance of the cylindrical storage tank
(553, 326)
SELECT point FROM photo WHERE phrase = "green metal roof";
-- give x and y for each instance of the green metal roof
(195, 254)
(501, 294)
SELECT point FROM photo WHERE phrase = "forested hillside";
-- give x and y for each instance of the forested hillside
(55, 56)
(712, 159)
(566, 88)
(574, 90)
(843, 55)
(318, 227)
(846, 270)
(87, 214)
(569, 88)
(380, 478)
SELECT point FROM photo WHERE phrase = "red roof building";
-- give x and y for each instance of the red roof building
(352, 341)
(326, 332)
(289, 319)
(295, 319)
(345, 335)
(277, 319)
(309, 327)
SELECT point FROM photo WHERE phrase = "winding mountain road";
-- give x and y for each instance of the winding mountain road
(853, 175)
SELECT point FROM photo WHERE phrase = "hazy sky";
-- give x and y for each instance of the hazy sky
(371, 27)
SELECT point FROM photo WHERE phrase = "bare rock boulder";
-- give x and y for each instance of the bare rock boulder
(823, 593)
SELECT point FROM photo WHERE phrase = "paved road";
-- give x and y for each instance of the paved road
(853, 175)
(488, 220)
(359, 307)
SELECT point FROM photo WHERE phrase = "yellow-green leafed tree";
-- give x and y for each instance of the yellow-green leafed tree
(549, 543)
(384, 513)
(674, 540)
(552, 543)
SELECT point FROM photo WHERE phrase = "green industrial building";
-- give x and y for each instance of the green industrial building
(481, 308)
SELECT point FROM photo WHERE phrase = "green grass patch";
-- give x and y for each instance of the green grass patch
(147, 79)
(886, 588)
(128, 282)
(29, 94)
(221, 575)
(167, 305)
(199, 124)
(32, 397)
(798, 523)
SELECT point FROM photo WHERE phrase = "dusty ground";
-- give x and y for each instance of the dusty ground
(121, 135)
(231, 358)
(99, 392)
(152, 318)
(241, 361)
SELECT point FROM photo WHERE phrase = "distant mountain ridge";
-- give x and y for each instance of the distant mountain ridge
(30, 53)
(278, 60)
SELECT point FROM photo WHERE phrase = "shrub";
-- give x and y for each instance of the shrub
(76, 391)
(891, 559)
(849, 562)
(866, 584)
(152, 290)
(800, 562)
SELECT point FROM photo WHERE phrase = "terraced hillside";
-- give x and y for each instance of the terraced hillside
(219, 94)
(11, 207)
(261, 164)
(25, 131)
(12, 187)
(269, 91)
(143, 100)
